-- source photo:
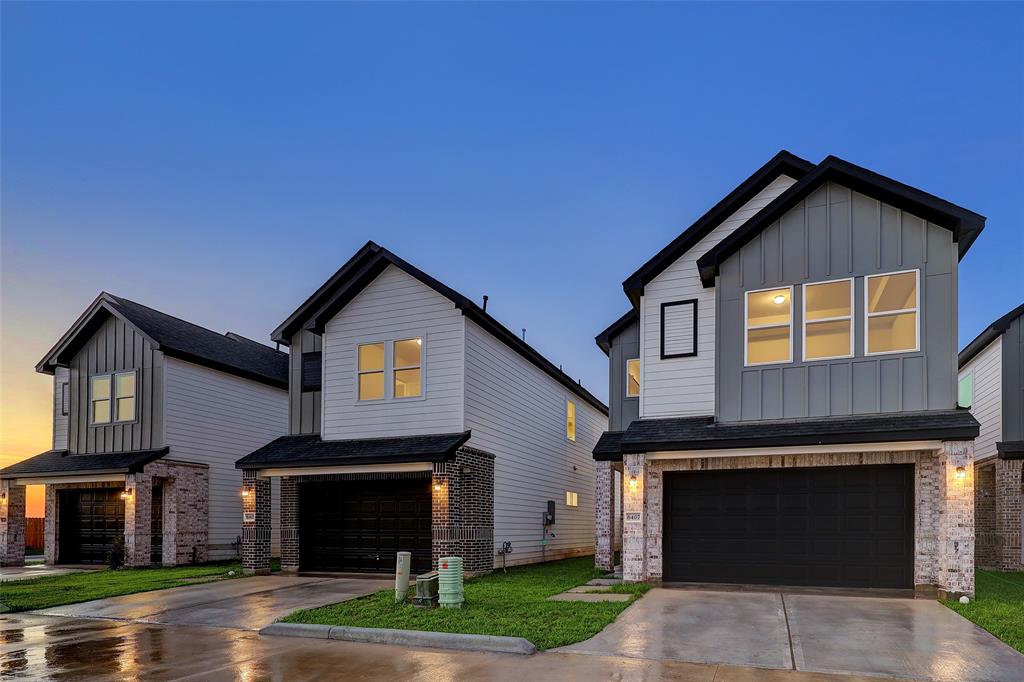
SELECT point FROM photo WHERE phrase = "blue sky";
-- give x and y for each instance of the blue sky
(219, 161)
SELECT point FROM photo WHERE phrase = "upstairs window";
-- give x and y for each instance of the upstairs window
(679, 329)
(65, 398)
(407, 366)
(768, 333)
(633, 378)
(965, 390)
(312, 370)
(570, 420)
(891, 307)
(112, 397)
(124, 396)
(828, 320)
(371, 371)
(572, 499)
(99, 398)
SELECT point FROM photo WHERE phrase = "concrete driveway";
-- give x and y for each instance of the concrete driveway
(246, 603)
(900, 638)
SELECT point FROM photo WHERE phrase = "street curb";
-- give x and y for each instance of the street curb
(437, 640)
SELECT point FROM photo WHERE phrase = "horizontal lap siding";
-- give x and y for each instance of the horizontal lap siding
(517, 413)
(60, 421)
(686, 386)
(987, 404)
(216, 419)
(394, 306)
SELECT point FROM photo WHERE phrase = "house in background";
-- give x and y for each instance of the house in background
(783, 391)
(418, 422)
(150, 413)
(992, 386)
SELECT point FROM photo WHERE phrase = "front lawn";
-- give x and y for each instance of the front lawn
(509, 604)
(41, 593)
(999, 606)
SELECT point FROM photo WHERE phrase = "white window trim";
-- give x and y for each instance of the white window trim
(573, 495)
(804, 321)
(575, 420)
(389, 368)
(916, 310)
(628, 394)
(113, 421)
(747, 328)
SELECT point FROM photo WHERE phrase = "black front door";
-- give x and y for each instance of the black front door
(89, 521)
(826, 526)
(359, 526)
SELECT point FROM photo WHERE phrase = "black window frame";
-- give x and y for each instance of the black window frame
(65, 399)
(306, 386)
(668, 304)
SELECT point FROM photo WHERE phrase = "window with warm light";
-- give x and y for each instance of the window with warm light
(371, 371)
(112, 397)
(633, 378)
(407, 366)
(769, 326)
(99, 399)
(828, 320)
(570, 420)
(965, 390)
(891, 311)
(572, 499)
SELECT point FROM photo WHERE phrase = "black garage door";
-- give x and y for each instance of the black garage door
(827, 526)
(359, 526)
(90, 519)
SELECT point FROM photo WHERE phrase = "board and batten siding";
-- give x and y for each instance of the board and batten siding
(836, 233)
(216, 419)
(1013, 381)
(686, 386)
(60, 421)
(622, 409)
(117, 346)
(517, 412)
(303, 406)
(987, 401)
(394, 306)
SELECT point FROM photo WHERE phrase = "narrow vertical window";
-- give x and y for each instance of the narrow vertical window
(371, 371)
(99, 399)
(891, 308)
(570, 420)
(407, 368)
(769, 326)
(312, 371)
(679, 329)
(828, 320)
(124, 394)
(633, 378)
(65, 398)
(965, 390)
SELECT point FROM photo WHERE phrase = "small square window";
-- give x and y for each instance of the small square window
(572, 499)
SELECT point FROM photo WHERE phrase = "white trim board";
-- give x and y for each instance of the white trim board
(52, 480)
(352, 469)
(902, 446)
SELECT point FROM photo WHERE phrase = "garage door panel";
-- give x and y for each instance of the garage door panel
(90, 520)
(830, 526)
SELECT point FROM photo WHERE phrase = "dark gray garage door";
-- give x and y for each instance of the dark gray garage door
(90, 519)
(827, 526)
(359, 526)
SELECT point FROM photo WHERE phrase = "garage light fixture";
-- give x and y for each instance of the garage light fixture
(961, 473)
(126, 494)
(437, 487)
(632, 483)
(246, 492)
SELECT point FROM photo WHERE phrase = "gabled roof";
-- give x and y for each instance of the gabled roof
(312, 451)
(371, 260)
(964, 224)
(175, 337)
(62, 463)
(604, 339)
(988, 335)
(782, 163)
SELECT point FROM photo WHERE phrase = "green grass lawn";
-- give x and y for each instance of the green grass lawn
(510, 604)
(41, 593)
(999, 606)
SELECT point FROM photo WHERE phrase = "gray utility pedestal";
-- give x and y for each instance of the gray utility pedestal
(426, 590)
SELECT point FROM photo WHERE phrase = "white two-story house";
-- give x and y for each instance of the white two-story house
(783, 391)
(150, 413)
(419, 423)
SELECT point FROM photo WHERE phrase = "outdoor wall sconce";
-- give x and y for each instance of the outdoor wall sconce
(961, 473)
(246, 492)
(632, 483)
(437, 487)
(126, 494)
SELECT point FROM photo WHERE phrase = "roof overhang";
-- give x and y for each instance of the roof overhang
(1013, 449)
(61, 464)
(605, 338)
(988, 335)
(71, 477)
(405, 467)
(311, 452)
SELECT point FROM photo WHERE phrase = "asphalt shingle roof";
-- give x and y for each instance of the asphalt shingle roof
(61, 462)
(311, 450)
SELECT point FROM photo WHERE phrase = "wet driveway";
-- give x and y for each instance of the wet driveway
(903, 638)
(247, 603)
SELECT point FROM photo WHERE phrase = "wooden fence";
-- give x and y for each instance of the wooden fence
(33, 533)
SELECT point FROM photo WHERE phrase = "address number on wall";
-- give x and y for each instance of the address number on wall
(248, 517)
(633, 517)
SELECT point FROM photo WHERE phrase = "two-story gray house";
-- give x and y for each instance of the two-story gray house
(783, 391)
(150, 413)
(418, 422)
(992, 386)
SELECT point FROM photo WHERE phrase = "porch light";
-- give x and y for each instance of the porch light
(632, 483)
(246, 492)
(961, 473)
(437, 487)
(126, 494)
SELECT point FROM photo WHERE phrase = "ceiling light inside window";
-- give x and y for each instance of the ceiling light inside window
(779, 299)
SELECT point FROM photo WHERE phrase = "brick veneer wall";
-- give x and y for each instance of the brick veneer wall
(604, 521)
(12, 524)
(985, 515)
(1009, 489)
(255, 523)
(944, 508)
(289, 515)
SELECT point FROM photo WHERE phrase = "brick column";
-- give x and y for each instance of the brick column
(956, 520)
(12, 524)
(634, 546)
(289, 525)
(604, 522)
(1008, 494)
(51, 525)
(444, 512)
(138, 520)
(255, 524)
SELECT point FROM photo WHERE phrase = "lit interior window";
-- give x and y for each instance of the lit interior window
(769, 326)
(407, 366)
(124, 392)
(572, 499)
(99, 390)
(570, 420)
(828, 320)
(633, 378)
(371, 371)
(891, 313)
